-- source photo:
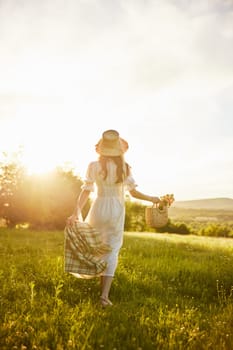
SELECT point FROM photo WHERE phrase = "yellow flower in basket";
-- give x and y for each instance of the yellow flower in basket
(157, 215)
(166, 201)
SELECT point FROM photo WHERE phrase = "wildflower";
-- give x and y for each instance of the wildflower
(70, 343)
(166, 200)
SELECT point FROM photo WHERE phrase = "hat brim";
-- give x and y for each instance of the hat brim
(118, 150)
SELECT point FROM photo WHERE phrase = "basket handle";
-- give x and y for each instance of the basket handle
(155, 205)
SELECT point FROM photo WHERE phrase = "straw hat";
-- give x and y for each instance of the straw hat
(111, 144)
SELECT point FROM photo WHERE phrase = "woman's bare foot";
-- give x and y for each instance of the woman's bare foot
(105, 301)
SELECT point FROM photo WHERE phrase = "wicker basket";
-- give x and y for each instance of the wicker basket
(156, 217)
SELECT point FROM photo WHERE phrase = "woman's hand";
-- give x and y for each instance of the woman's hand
(71, 220)
(155, 200)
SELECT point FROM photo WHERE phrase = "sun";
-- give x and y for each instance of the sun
(33, 167)
(40, 152)
(37, 160)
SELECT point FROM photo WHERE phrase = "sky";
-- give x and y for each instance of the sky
(160, 72)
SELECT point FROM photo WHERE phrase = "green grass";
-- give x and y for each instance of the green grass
(169, 292)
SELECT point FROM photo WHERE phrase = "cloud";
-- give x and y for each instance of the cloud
(135, 46)
(159, 71)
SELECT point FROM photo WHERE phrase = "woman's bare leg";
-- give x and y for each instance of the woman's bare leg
(106, 282)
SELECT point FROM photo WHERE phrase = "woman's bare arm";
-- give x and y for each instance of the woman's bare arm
(139, 195)
(81, 201)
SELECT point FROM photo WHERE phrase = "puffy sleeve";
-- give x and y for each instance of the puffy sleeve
(130, 183)
(90, 178)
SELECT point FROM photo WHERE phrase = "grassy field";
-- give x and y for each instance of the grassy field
(170, 292)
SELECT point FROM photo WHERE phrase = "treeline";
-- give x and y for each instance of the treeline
(38, 201)
(45, 202)
(135, 221)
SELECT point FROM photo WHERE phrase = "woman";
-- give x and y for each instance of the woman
(111, 175)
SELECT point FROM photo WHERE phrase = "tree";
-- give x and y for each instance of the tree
(216, 230)
(41, 201)
(11, 172)
(135, 216)
(175, 227)
(45, 201)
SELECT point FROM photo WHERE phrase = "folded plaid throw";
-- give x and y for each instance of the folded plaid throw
(84, 250)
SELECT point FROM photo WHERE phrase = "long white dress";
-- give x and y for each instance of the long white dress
(107, 211)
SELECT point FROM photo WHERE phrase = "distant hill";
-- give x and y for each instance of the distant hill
(209, 203)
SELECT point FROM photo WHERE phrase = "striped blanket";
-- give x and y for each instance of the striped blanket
(84, 251)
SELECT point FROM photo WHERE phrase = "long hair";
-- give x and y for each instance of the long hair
(122, 167)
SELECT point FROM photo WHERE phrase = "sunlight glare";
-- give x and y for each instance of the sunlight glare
(34, 166)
